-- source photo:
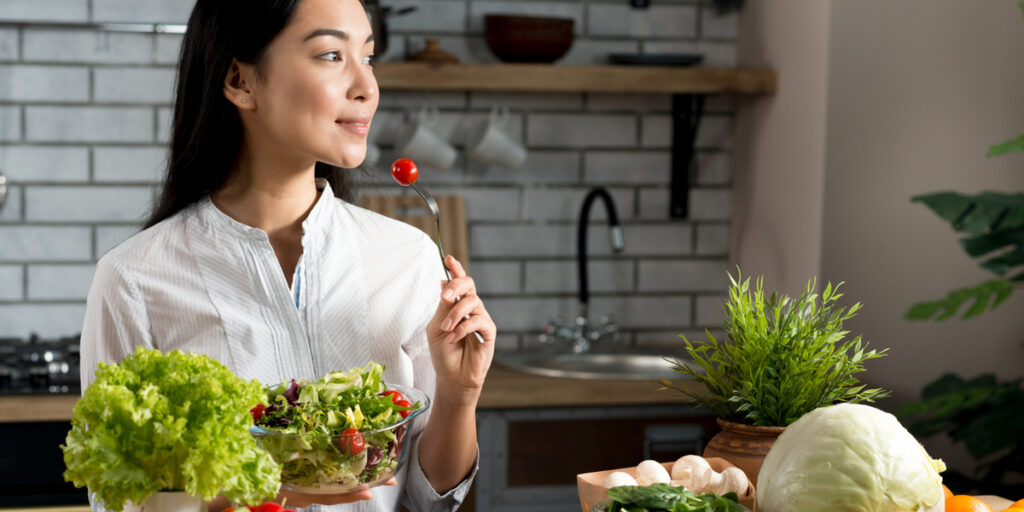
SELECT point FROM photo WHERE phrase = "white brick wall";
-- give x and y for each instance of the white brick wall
(715, 25)
(10, 123)
(87, 204)
(107, 237)
(658, 20)
(713, 240)
(50, 10)
(89, 124)
(8, 44)
(45, 243)
(45, 164)
(52, 45)
(59, 282)
(565, 204)
(607, 276)
(131, 85)
(432, 16)
(142, 11)
(579, 130)
(12, 210)
(710, 312)
(499, 277)
(682, 276)
(85, 120)
(34, 83)
(648, 167)
(45, 319)
(123, 164)
(11, 280)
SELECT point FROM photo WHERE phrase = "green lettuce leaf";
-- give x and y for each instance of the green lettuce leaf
(177, 422)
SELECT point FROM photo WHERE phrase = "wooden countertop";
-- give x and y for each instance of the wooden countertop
(995, 502)
(505, 388)
(21, 408)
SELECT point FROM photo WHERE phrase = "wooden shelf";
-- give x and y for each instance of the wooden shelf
(554, 78)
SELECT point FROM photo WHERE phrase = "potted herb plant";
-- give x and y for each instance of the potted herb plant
(166, 432)
(782, 358)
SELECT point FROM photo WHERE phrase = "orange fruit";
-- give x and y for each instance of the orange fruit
(965, 503)
(1014, 508)
(1019, 503)
(946, 493)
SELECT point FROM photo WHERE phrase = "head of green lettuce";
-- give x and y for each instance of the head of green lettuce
(168, 422)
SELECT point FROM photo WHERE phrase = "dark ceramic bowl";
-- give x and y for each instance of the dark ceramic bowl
(528, 38)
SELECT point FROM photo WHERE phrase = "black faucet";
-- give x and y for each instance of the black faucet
(581, 239)
(581, 334)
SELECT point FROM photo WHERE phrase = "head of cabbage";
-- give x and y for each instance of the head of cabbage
(849, 457)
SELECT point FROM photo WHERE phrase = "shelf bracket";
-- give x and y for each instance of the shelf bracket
(686, 113)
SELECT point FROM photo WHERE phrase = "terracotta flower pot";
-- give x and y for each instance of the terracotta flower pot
(743, 445)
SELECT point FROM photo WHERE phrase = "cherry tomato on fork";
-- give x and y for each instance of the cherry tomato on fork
(404, 171)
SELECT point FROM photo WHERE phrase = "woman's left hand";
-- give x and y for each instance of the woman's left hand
(460, 361)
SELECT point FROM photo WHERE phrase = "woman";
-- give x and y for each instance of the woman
(251, 259)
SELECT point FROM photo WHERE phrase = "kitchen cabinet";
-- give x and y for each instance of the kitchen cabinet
(537, 433)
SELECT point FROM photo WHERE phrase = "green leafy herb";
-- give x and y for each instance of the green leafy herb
(665, 497)
(177, 422)
(783, 357)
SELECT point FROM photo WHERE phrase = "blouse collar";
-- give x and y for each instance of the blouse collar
(316, 221)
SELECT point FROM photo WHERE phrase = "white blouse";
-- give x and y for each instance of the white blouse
(203, 282)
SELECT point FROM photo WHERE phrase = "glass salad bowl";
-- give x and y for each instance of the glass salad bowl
(319, 456)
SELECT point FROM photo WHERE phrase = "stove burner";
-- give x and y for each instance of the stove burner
(39, 366)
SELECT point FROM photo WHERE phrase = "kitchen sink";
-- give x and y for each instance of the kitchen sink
(591, 365)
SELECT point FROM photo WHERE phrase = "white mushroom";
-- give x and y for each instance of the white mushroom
(730, 480)
(693, 472)
(651, 472)
(618, 478)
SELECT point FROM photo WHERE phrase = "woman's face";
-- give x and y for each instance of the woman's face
(317, 94)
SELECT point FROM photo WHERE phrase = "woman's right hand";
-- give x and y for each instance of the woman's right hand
(297, 500)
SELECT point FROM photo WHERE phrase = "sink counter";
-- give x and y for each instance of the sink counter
(508, 389)
(505, 389)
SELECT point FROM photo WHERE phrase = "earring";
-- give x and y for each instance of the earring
(243, 100)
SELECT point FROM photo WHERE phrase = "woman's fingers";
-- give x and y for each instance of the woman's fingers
(454, 266)
(305, 500)
(460, 310)
(475, 323)
(458, 287)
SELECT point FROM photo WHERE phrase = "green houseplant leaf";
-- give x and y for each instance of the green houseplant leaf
(984, 414)
(985, 296)
(783, 357)
(1010, 146)
(995, 225)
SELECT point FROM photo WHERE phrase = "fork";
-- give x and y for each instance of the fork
(432, 204)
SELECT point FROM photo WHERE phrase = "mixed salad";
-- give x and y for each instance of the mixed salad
(341, 431)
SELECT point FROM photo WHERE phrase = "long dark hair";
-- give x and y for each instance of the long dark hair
(206, 130)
